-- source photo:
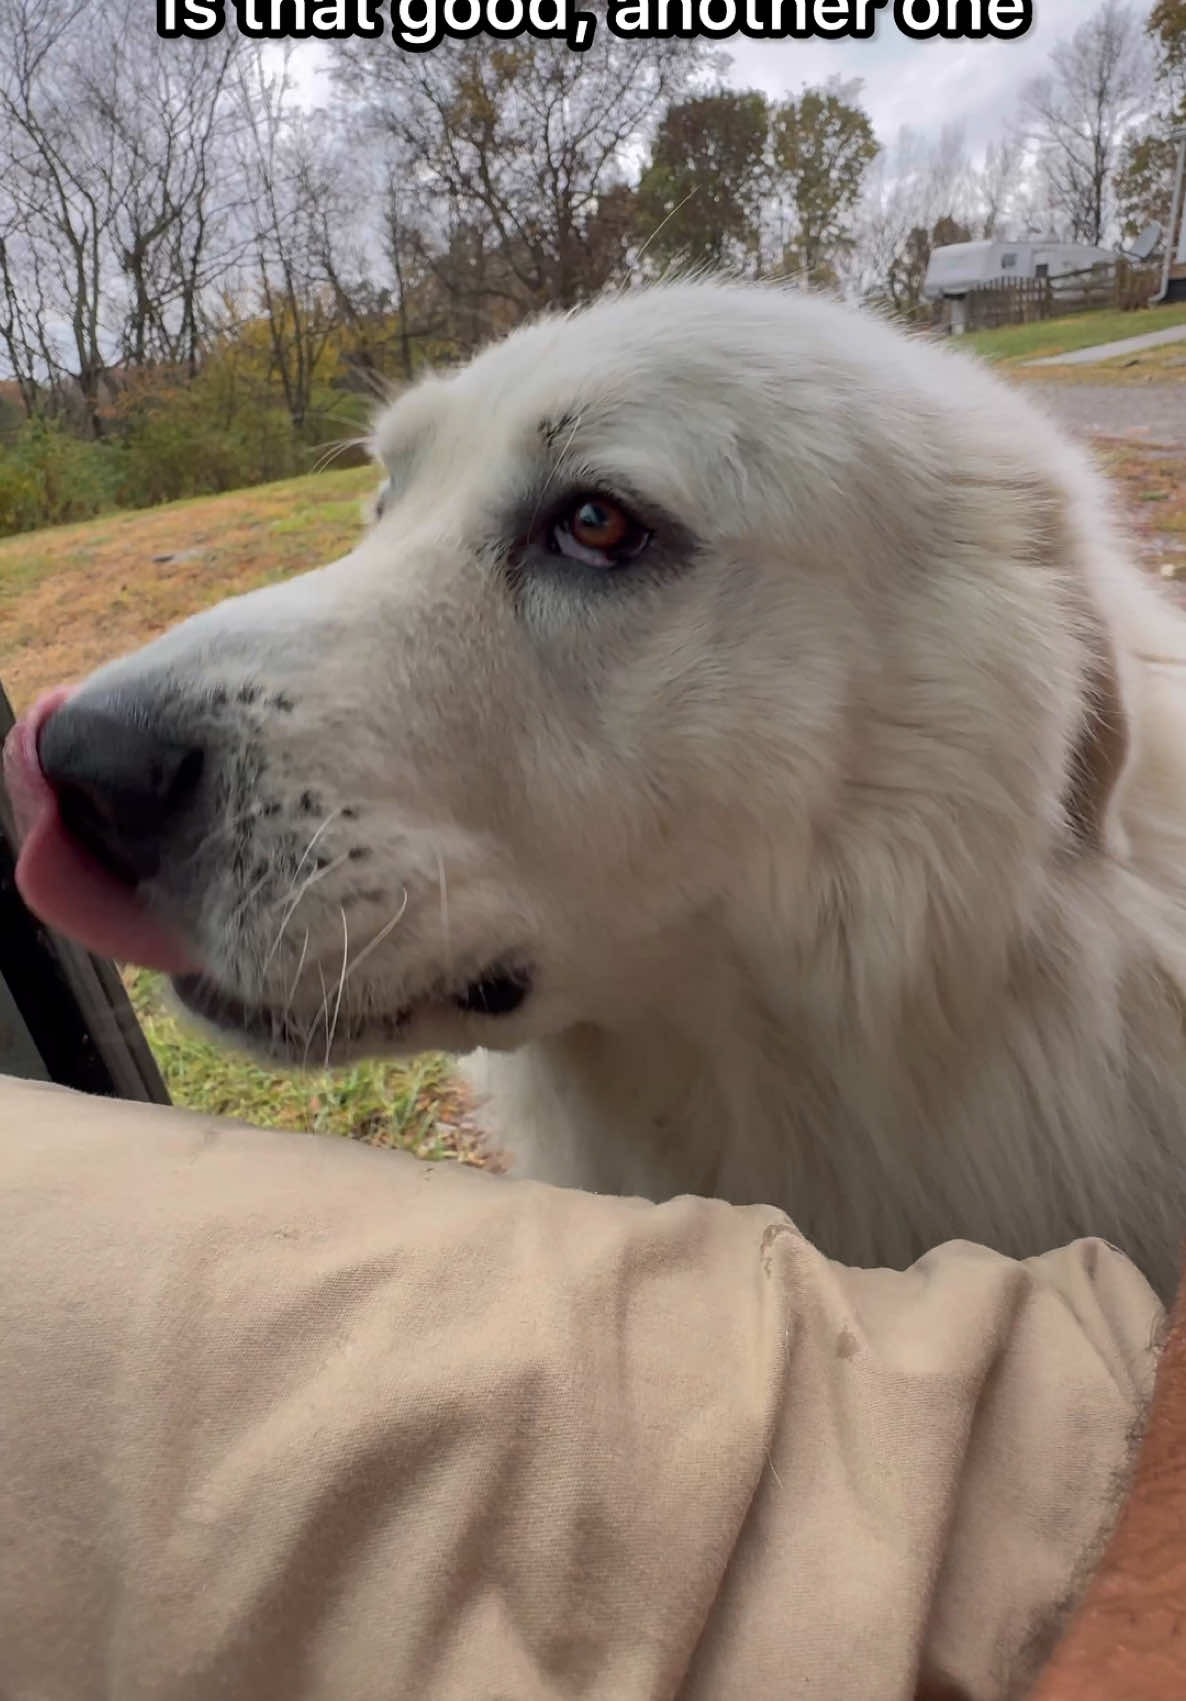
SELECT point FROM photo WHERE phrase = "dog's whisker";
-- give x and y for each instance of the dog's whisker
(325, 825)
(332, 1028)
(330, 451)
(297, 976)
(313, 878)
(678, 208)
(313, 1024)
(243, 907)
(382, 934)
(443, 886)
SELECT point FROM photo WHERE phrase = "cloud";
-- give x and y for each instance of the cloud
(923, 84)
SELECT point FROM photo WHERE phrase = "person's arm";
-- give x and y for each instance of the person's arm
(1129, 1637)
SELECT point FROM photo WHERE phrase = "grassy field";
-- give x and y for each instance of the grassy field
(1061, 336)
(74, 596)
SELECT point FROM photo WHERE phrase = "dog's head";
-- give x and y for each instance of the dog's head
(664, 602)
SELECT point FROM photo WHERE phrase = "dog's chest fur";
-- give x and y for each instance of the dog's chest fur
(1010, 1131)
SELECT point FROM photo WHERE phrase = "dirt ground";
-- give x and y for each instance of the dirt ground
(1154, 414)
(1137, 435)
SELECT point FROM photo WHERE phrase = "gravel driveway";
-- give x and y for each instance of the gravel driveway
(1152, 413)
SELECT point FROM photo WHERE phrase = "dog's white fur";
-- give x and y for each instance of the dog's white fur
(848, 847)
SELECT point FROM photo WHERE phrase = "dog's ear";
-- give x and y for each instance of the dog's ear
(1101, 748)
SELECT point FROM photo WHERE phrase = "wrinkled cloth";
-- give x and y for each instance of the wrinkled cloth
(286, 1418)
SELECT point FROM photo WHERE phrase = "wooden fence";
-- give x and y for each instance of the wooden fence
(1018, 301)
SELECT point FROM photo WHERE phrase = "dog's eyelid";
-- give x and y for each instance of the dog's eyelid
(585, 484)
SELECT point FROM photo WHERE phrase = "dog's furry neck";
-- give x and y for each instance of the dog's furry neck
(791, 1074)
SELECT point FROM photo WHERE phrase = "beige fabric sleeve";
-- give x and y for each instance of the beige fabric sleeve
(288, 1419)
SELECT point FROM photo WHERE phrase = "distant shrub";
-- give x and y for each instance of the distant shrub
(168, 437)
(179, 439)
(48, 477)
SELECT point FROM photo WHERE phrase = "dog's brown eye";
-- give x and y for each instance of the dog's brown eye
(600, 525)
(600, 532)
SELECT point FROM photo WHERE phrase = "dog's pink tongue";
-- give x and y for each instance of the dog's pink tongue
(64, 886)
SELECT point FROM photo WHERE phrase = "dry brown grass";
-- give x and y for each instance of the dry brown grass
(1164, 365)
(72, 597)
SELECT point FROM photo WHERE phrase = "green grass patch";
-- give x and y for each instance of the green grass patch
(1062, 336)
(412, 1106)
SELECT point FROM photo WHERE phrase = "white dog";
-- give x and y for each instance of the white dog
(745, 724)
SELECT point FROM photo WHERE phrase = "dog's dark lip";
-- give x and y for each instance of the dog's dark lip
(498, 991)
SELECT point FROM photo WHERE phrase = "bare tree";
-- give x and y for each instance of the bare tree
(116, 186)
(167, 110)
(1145, 179)
(996, 185)
(421, 305)
(293, 191)
(512, 148)
(911, 187)
(1099, 82)
(58, 191)
(25, 319)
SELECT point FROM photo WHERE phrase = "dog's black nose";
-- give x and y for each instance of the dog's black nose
(120, 782)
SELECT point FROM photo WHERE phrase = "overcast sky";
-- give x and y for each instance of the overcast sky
(924, 84)
(921, 84)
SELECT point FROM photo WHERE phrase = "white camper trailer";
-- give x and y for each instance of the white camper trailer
(959, 267)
